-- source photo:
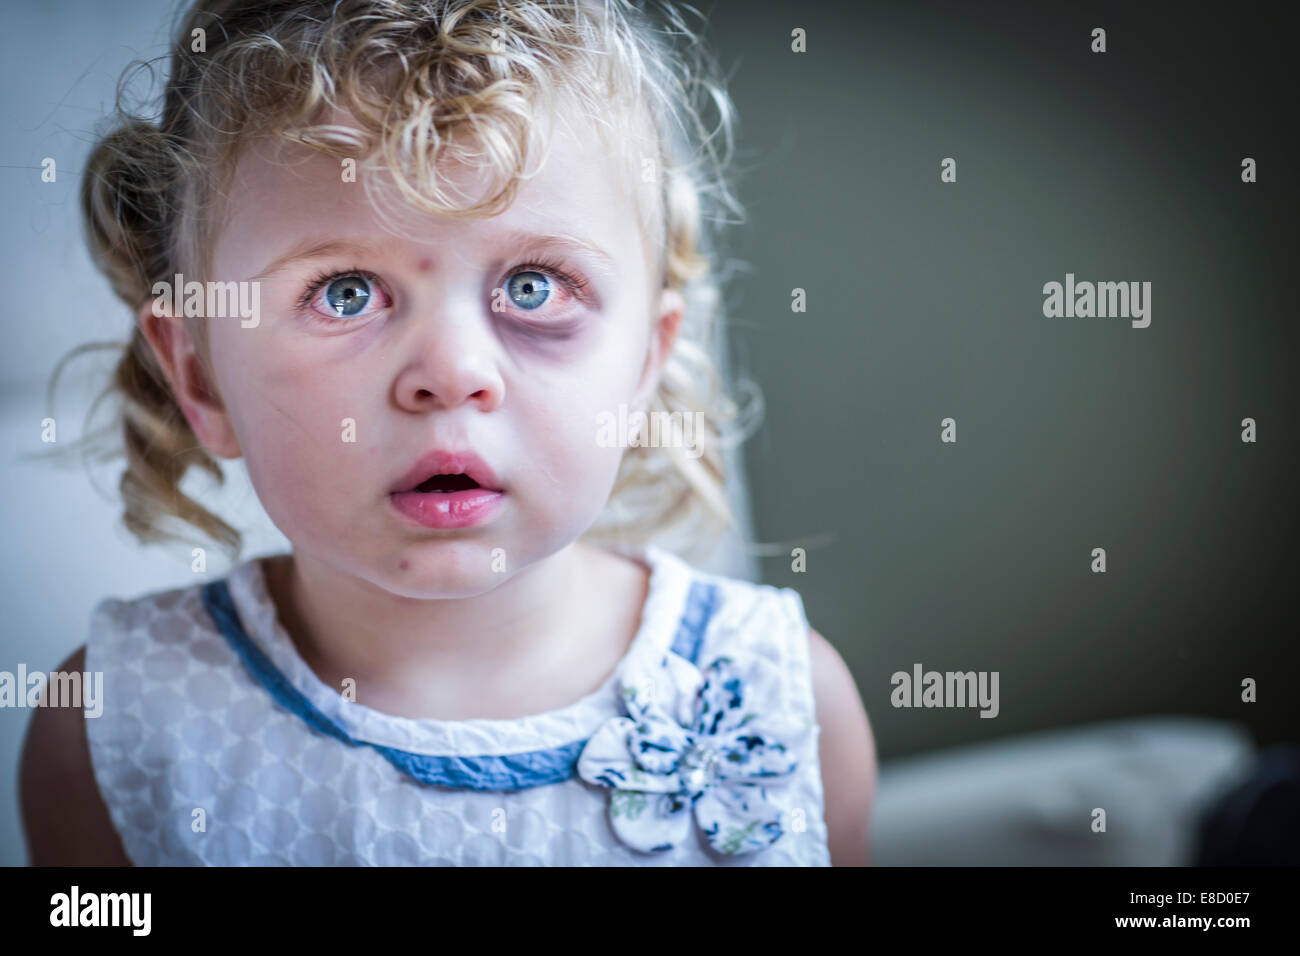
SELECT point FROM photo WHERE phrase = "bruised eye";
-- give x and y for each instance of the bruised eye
(528, 290)
(347, 296)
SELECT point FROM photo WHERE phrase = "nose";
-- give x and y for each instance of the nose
(451, 364)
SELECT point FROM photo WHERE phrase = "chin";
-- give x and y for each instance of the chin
(447, 569)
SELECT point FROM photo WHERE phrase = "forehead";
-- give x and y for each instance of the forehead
(583, 183)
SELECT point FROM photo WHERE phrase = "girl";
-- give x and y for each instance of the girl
(416, 261)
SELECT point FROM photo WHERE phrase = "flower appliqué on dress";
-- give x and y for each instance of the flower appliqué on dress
(697, 745)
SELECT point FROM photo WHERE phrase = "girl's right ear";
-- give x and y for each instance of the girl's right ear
(191, 385)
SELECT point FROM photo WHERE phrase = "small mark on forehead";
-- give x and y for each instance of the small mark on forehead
(425, 265)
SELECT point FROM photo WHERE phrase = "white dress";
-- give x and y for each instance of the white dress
(218, 745)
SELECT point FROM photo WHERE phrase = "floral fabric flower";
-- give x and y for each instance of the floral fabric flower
(705, 745)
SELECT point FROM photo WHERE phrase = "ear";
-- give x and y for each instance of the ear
(195, 391)
(662, 338)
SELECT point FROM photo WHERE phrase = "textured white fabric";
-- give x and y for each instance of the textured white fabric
(186, 727)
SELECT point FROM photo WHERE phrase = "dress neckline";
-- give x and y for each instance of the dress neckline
(255, 625)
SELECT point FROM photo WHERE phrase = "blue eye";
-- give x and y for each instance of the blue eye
(348, 295)
(528, 290)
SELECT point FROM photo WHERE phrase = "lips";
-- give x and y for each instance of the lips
(447, 471)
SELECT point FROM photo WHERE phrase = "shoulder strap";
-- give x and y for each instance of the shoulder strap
(701, 603)
(729, 616)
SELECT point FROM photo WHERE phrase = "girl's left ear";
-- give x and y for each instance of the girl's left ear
(662, 338)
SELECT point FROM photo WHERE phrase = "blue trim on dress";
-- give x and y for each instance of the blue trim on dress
(700, 605)
(488, 772)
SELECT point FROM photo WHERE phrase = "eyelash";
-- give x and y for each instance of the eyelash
(322, 280)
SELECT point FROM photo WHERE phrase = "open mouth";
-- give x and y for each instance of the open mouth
(450, 500)
(446, 483)
(446, 475)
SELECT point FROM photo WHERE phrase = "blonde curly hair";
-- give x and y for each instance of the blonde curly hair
(414, 74)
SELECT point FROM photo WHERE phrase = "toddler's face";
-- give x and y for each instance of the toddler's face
(462, 336)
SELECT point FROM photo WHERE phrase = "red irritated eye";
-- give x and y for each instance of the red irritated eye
(547, 299)
(344, 295)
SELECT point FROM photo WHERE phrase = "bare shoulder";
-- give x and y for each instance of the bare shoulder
(64, 816)
(848, 754)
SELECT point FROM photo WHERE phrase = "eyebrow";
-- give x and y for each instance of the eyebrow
(315, 250)
(560, 240)
(307, 249)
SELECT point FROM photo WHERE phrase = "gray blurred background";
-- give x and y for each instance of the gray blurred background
(924, 302)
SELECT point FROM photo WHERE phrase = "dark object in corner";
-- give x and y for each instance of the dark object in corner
(1257, 822)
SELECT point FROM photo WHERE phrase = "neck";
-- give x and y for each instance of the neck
(409, 651)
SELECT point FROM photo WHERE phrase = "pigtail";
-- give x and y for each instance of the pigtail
(127, 207)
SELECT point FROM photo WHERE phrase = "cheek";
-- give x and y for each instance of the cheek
(304, 433)
(565, 412)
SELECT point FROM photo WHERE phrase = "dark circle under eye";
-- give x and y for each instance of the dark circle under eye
(348, 296)
(528, 290)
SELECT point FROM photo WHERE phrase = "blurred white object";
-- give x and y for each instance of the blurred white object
(1029, 800)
